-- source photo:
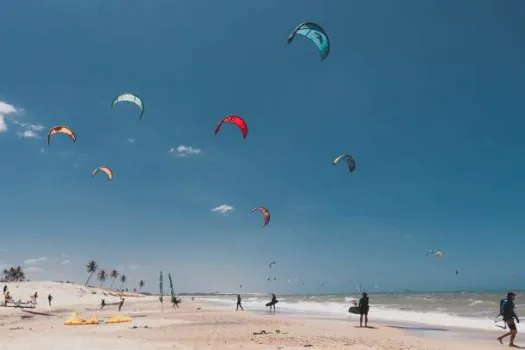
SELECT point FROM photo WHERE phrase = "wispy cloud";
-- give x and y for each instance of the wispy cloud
(184, 151)
(29, 131)
(131, 140)
(5, 109)
(34, 269)
(65, 262)
(223, 209)
(35, 260)
(28, 134)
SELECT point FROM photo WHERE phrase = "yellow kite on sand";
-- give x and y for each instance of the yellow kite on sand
(76, 320)
(118, 319)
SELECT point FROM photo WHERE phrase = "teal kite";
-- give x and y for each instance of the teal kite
(316, 34)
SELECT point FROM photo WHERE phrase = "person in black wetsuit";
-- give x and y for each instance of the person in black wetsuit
(509, 315)
(273, 302)
(363, 309)
(239, 305)
(121, 303)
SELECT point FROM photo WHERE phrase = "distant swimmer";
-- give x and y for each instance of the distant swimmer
(509, 315)
(239, 303)
(364, 307)
(272, 303)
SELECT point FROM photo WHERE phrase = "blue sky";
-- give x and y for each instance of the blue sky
(428, 96)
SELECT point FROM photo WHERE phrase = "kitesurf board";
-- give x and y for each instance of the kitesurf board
(354, 310)
(270, 303)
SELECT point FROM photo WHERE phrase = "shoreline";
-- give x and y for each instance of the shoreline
(201, 325)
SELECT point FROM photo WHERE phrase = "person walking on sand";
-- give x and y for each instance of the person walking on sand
(120, 304)
(509, 315)
(102, 304)
(363, 309)
(239, 303)
(49, 299)
(175, 302)
(5, 288)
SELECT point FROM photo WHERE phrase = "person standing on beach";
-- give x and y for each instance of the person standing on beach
(239, 301)
(121, 303)
(509, 315)
(49, 299)
(364, 307)
(102, 304)
(273, 302)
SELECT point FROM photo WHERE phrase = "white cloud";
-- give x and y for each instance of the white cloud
(133, 267)
(223, 209)
(131, 140)
(36, 260)
(5, 109)
(34, 269)
(28, 134)
(65, 262)
(30, 131)
(183, 151)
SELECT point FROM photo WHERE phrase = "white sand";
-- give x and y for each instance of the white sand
(188, 327)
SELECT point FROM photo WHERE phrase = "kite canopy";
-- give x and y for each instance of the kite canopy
(350, 161)
(128, 97)
(61, 129)
(266, 215)
(272, 263)
(235, 120)
(316, 34)
(103, 169)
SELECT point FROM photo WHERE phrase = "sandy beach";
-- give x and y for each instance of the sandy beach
(195, 325)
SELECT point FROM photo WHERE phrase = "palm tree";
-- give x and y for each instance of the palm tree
(114, 274)
(123, 280)
(141, 284)
(13, 274)
(19, 274)
(91, 268)
(102, 276)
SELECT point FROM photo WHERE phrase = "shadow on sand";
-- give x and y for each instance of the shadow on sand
(369, 327)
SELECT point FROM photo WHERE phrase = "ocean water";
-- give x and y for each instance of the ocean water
(468, 310)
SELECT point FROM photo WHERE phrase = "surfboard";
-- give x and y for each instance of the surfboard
(270, 303)
(354, 310)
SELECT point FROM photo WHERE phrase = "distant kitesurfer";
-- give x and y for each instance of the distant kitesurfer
(239, 303)
(363, 309)
(509, 315)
